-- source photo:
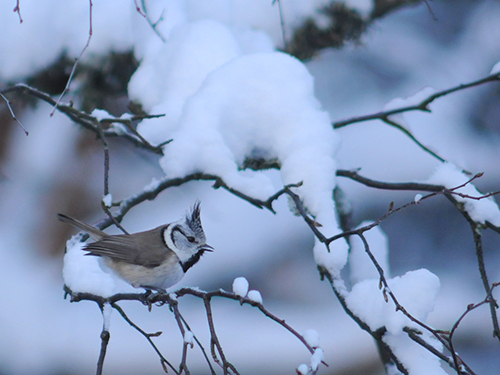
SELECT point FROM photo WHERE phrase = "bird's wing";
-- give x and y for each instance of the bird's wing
(144, 249)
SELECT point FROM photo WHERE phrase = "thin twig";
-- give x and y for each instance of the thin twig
(144, 13)
(105, 146)
(87, 121)
(408, 186)
(14, 117)
(303, 212)
(476, 231)
(456, 359)
(413, 186)
(200, 345)
(174, 307)
(151, 193)
(166, 298)
(383, 281)
(138, 9)
(282, 21)
(458, 363)
(148, 336)
(415, 335)
(105, 336)
(214, 340)
(362, 324)
(245, 300)
(17, 9)
(128, 124)
(66, 89)
(422, 106)
(433, 15)
(394, 124)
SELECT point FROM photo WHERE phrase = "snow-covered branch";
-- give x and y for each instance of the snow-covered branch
(90, 122)
(234, 104)
(422, 106)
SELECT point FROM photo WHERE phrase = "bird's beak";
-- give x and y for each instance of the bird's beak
(207, 248)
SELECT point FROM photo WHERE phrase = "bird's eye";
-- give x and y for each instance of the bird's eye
(191, 239)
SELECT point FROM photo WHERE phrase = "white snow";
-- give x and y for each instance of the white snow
(480, 211)
(240, 286)
(84, 274)
(303, 369)
(316, 358)
(415, 290)
(204, 42)
(119, 128)
(415, 358)
(164, 80)
(188, 338)
(262, 105)
(107, 200)
(101, 114)
(312, 338)
(495, 69)
(254, 295)
(360, 264)
(410, 101)
(153, 185)
(106, 316)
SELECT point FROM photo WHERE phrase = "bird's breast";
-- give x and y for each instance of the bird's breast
(163, 276)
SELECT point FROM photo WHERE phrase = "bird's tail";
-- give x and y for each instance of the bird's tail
(93, 232)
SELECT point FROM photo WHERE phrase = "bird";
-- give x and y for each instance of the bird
(155, 259)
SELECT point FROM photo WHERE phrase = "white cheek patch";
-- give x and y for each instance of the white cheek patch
(167, 238)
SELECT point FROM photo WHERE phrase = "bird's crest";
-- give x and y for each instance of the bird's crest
(193, 220)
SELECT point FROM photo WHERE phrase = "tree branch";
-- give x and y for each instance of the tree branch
(87, 121)
(14, 117)
(409, 134)
(423, 106)
(149, 299)
(105, 336)
(17, 9)
(476, 231)
(164, 362)
(73, 70)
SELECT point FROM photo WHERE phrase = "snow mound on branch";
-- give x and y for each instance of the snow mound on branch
(416, 291)
(87, 274)
(177, 70)
(450, 176)
(262, 106)
(167, 77)
(240, 286)
(414, 357)
(227, 97)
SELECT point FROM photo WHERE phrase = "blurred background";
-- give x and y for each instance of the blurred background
(59, 168)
